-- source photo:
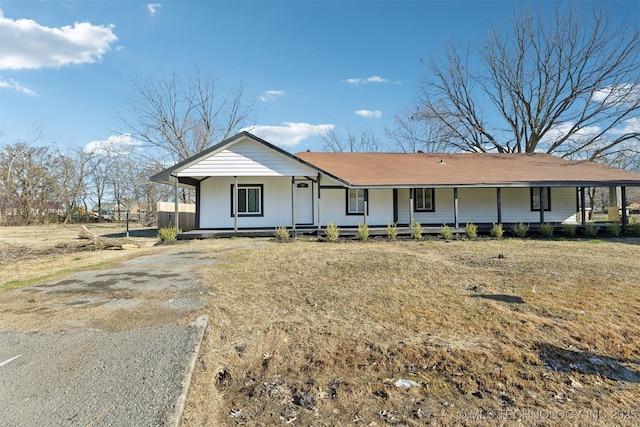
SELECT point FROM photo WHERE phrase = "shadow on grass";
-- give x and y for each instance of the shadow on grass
(563, 360)
(501, 298)
(147, 232)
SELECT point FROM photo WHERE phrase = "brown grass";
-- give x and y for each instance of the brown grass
(32, 253)
(310, 333)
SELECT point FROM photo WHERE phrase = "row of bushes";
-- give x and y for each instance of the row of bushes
(332, 232)
(168, 235)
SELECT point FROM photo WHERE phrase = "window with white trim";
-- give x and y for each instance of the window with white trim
(355, 201)
(423, 200)
(250, 200)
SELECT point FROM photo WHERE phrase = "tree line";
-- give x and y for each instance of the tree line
(40, 184)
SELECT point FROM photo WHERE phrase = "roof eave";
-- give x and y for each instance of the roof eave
(599, 183)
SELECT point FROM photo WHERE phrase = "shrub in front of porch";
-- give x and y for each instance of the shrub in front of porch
(416, 230)
(497, 231)
(520, 230)
(168, 235)
(545, 230)
(445, 232)
(332, 232)
(471, 231)
(281, 233)
(590, 229)
(363, 232)
(614, 229)
(392, 230)
(569, 230)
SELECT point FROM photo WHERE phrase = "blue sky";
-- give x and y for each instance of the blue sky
(69, 66)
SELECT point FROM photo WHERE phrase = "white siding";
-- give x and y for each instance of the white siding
(479, 205)
(215, 203)
(333, 207)
(443, 213)
(246, 158)
(516, 205)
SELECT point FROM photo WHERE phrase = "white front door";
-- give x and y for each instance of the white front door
(304, 202)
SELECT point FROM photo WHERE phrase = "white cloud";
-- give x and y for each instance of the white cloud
(617, 95)
(153, 7)
(369, 114)
(115, 145)
(372, 79)
(290, 134)
(29, 45)
(631, 125)
(271, 94)
(563, 129)
(12, 84)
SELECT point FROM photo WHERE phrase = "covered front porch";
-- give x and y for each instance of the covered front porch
(454, 207)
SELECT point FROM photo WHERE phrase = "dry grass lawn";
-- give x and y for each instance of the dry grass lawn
(493, 332)
(307, 333)
(33, 253)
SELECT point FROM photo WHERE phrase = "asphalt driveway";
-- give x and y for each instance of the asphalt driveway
(106, 347)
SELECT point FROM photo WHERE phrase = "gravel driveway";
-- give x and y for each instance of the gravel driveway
(106, 347)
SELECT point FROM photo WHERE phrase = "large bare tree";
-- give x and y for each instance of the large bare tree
(416, 131)
(563, 80)
(180, 117)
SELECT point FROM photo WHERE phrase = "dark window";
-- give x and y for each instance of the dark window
(250, 200)
(423, 200)
(535, 198)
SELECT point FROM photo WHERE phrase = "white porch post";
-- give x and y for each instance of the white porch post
(410, 206)
(455, 207)
(318, 203)
(293, 205)
(235, 204)
(583, 208)
(499, 200)
(366, 205)
(177, 204)
(623, 192)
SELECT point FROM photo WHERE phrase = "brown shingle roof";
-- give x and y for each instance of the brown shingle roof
(465, 169)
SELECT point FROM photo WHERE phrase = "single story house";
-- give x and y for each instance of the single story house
(246, 183)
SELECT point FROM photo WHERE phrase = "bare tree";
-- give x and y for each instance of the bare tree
(350, 142)
(70, 172)
(183, 117)
(100, 168)
(26, 182)
(147, 193)
(564, 85)
(417, 131)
